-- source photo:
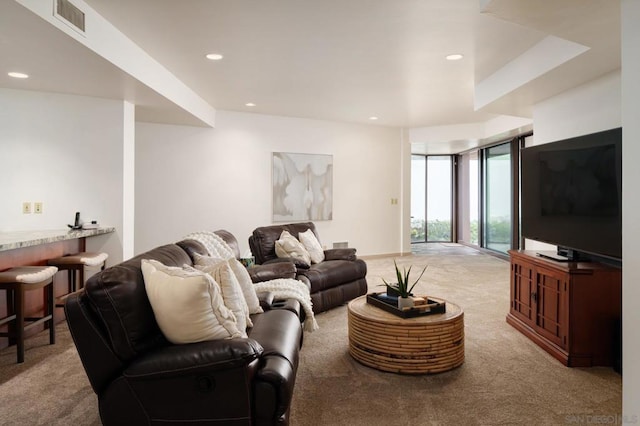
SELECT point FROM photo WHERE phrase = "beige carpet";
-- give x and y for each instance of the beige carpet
(49, 388)
(505, 380)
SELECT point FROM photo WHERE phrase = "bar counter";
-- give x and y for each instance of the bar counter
(20, 248)
(20, 239)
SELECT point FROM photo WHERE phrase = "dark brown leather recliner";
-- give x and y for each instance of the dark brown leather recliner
(332, 282)
(141, 378)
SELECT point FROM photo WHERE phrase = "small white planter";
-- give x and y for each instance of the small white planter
(405, 302)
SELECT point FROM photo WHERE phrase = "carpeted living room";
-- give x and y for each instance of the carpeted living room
(210, 211)
(505, 378)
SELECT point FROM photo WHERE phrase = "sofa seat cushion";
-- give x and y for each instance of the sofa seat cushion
(332, 273)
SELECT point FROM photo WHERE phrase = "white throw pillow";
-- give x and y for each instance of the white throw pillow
(244, 279)
(248, 289)
(289, 247)
(221, 272)
(187, 304)
(311, 243)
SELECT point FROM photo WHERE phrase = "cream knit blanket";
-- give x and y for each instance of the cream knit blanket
(288, 288)
(281, 288)
(215, 245)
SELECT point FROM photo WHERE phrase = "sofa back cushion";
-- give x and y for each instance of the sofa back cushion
(193, 248)
(119, 298)
(263, 240)
(231, 241)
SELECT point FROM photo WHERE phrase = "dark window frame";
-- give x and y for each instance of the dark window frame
(516, 145)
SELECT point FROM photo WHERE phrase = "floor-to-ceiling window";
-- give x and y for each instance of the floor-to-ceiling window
(484, 184)
(498, 198)
(439, 205)
(418, 198)
(468, 198)
(474, 194)
(431, 198)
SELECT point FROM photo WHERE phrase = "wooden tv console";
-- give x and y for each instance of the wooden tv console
(570, 309)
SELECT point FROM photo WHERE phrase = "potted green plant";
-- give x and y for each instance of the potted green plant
(402, 288)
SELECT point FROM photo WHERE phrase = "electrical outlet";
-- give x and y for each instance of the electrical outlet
(26, 207)
(37, 207)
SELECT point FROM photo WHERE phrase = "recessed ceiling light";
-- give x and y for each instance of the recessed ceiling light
(373, 118)
(454, 57)
(250, 104)
(214, 56)
(18, 75)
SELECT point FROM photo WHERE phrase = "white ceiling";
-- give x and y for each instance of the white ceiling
(343, 60)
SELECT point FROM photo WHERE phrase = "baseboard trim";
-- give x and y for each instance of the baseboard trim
(381, 256)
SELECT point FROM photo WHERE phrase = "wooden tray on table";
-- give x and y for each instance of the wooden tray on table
(431, 307)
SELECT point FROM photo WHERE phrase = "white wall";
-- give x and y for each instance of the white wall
(190, 179)
(630, 207)
(589, 108)
(128, 179)
(66, 152)
(405, 213)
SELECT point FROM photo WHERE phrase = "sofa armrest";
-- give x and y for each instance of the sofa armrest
(340, 254)
(283, 268)
(273, 389)
(298, 263)
(266, 299)
(176, 360)
(269, 302)
(280, 333)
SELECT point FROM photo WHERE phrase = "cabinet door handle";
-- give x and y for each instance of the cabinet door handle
(534, 296)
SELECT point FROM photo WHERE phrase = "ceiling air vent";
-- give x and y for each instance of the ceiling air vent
(70, 14)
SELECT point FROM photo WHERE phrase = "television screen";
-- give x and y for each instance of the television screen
(572, 193)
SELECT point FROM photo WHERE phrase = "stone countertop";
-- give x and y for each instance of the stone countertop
(19, 239)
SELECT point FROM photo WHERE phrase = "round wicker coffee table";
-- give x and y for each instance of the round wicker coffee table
(420, 345)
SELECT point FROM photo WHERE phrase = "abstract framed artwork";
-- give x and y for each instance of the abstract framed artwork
(302, 187)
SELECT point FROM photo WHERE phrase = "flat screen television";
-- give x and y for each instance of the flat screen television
(571, 194)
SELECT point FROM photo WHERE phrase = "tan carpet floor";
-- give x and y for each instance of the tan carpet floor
(505, 380)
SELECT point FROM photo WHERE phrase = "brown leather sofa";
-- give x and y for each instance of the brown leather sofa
(332, 282)
(140, 378)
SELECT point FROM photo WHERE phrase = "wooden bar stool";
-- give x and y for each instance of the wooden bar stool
(80, 266)
(17, 281)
